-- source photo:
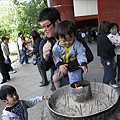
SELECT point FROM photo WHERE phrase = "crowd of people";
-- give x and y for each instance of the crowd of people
(64, 55)
(90, 34)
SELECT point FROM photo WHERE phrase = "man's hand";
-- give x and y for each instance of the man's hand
(63, 68)
(46, 50)
(8, 59)
(84, 68)
(45, 97)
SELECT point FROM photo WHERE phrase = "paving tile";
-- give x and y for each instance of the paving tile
(23, 93)
(34, 88)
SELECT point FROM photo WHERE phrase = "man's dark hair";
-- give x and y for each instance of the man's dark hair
(6, 90)
(63, 28)
(104, 27)
(19, 34)
(50, 13)
(4, 38)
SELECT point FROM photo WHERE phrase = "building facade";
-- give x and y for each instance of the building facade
(88, 12)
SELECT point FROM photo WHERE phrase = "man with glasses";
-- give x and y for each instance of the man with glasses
(48, 17)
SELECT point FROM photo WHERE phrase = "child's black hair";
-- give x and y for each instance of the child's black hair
(64, 28)
(113, 24)
(6, 90)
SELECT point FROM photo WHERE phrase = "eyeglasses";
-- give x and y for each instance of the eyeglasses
(46, 26)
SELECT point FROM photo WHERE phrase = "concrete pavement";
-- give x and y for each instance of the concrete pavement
(27, 80)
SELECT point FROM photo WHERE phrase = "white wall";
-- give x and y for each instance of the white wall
(85, 7)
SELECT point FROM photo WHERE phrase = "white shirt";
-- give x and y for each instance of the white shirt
(5, 50)
(115, 39)
(20, 43)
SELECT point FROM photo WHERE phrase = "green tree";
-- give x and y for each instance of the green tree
(18, 16)
(27, 13)
(7, 19)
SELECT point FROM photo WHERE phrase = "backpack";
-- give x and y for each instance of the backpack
(89, 54)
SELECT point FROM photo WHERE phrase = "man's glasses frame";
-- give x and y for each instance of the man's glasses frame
(46, 26)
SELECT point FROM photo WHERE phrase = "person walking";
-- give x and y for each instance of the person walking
(22, 48)
(6, 53)
(3, 68)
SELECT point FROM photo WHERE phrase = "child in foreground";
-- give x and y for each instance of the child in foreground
(68, 54)
(16, 109)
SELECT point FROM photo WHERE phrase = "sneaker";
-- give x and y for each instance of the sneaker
(12, 71)
(28, 63)
(114, 85)
(21, 64)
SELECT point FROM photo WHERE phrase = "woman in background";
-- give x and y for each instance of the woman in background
(35, 60)
(105, 49)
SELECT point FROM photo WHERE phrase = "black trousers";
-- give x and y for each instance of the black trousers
(42, 72)
(4, 68)
(118, 67)
(63, 81)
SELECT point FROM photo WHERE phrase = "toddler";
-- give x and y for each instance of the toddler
(68, 54)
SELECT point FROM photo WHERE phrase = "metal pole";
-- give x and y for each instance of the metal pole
(49, 2)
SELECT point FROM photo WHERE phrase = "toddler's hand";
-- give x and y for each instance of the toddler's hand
(45, 97)
(63, 69)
